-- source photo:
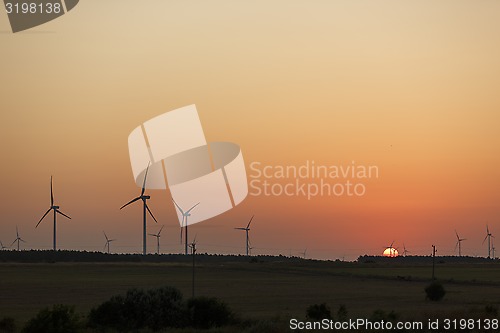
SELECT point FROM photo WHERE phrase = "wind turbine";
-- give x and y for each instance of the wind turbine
(304, 253)
(145, 207)
(459, 244)
(18, 239)
(392, 250)
(247, 229)
(185, 215)
(157, 239)
(488, 235)
(493, 250)
(2, 246)
(56, 211)
(107, 241)
(405, 251)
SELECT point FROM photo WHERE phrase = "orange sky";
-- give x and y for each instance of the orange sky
(411, 88)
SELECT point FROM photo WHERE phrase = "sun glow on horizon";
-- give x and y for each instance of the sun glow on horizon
(390, 252)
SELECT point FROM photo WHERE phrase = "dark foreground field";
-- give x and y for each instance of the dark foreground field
(256, 290)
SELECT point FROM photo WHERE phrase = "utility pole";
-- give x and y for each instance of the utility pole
(433, 261)
(193, 253)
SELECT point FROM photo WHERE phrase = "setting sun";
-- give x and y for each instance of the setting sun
(390, 252)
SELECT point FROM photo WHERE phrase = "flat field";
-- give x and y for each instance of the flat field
(257, 290)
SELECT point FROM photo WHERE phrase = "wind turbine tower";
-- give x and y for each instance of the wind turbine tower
(18, 239)
(145, 208)
(107, 241)
(488, 236)
(459, 244)
(185, 215)
(56, 211)
(247, 229)
(157, 239)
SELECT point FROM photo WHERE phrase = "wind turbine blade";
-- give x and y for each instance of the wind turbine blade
(178, 207)
(144, 183)
(484, 239)
(22, 240)
(58, 211)
(17, 232)
(105, 236)
(250, 221)
(159, 232)
(240, 228)
(13, 242)
(131, 201)
(190, 209)
(51, 193)
(392, 244)
(145, 204)
(152, 235)
(456, 233)
(42, 217)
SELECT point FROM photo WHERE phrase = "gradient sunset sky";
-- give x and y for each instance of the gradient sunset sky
(411, 87)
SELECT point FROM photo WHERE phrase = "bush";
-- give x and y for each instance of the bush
(207, 312)
(7, 325)
(342, 313)
(155, 309)
(318, 312)
(435, 291)
(381, 315)
(59, 319)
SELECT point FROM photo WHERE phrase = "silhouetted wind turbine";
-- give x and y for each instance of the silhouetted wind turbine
(493, 250)
(18, 239)
(185, 215)
(145, 207)
(3, 247)
(304, 253)
(488, 235)
(459, 244)
(405, 251)
(247, 229)
(157, 239)
(392, 250)
(107, 241)
(56, 211)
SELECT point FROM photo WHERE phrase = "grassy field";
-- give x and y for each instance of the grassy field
(258, 290)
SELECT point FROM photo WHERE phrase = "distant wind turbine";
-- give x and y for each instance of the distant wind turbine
(56, 211)
(107, 241)
(184, 223)
(157, 239)
(3, 247)
(304, 253)
(247, 229)
(392, 250)
(459, 244)
(405, 251)
(492, 250)
(145, 207)
(18, 239)
(488, 235)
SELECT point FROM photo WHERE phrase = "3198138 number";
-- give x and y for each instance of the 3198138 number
(33, 8)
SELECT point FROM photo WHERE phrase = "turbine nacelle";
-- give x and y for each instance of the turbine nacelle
(55, 207)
